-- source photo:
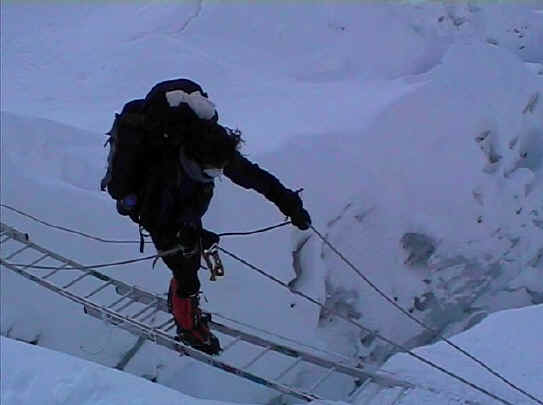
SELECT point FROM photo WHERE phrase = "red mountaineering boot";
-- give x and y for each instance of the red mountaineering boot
(192, 325)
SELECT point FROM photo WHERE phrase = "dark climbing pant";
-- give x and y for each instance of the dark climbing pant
(185, 263)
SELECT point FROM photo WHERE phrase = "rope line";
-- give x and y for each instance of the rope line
(314, 301)
(62, 228)
(102, 265)
(262, 230)
(263, 273)
(363, 328)
(419, 322)
(99, 239)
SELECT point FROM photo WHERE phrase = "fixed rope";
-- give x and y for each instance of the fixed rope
(419, 322)
(397, 346)
(337, 252)
(98, 239)
(62, 228)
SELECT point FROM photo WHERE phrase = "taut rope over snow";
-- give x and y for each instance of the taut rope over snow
(86, 235)
(363, 328)
(436, 333)
(308, 298)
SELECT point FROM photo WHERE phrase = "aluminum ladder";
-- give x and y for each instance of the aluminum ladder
(145, 314)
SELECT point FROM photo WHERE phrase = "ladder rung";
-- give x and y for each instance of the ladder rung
(169, 328)
(71, 283)
(36, 261)
(256, 358)
(54, 271)
(17, 252)
(357, 391)
(289, 368)
(149, 315)
(164, 324)
(322, 379)
(151, 305)
(99, 289)
(126, 295)
(129, 303)
(231, 343)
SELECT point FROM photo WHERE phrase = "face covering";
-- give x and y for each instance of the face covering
(213, 173)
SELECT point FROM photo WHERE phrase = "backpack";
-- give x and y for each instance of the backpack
(130, 120)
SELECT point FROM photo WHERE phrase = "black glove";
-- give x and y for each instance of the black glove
(301, 219)
(292, 206)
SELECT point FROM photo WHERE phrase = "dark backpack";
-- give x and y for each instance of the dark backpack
(132, 121)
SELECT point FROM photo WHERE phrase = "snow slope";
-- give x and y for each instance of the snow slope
(406, 125)
(446, 217)
(508, 341)
(36, 375)
(33, 375)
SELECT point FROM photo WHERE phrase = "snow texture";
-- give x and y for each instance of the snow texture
(415, 128)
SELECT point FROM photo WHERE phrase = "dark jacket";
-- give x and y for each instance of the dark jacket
(145, 164)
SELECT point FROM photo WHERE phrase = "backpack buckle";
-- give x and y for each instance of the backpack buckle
(213, 261)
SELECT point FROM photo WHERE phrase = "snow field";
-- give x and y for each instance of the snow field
(411, 128)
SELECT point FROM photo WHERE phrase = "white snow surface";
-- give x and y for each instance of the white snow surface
(37, 375)
(416, 130)
(508, 341)
(32, 374)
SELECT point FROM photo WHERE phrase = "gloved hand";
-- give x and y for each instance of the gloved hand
(292, 206)
(301, 219)
(127, 205)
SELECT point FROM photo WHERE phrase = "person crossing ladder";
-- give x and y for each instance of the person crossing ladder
(166, 150)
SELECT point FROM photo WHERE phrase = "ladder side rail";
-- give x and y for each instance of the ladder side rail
(32, 277)
(146, 298)
(163, 339)
(355, 372)
(310, 358)
(23, 238)
(158, 336)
